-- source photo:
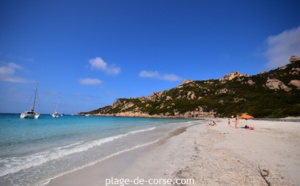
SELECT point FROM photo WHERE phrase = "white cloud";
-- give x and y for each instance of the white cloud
(157, 75)
(171, 77)
(149, 74)
(7, 73)
(282, 46)
(99, 64)
(90, 81)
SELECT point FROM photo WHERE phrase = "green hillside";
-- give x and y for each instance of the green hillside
(270, 94)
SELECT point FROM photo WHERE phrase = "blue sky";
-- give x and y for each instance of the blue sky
(85, 54)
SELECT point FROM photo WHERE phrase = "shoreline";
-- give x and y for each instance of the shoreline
(211, 155)
(286, 119)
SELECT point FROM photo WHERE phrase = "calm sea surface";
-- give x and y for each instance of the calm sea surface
(35, 151)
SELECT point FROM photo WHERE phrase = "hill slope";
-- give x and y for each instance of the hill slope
(271, 94)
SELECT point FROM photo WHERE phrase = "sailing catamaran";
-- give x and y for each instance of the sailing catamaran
(31, 114)
(55, 114)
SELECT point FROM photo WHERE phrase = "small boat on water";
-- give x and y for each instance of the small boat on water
(55, 114)
(32, 114)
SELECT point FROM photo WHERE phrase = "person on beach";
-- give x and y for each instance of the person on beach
(236, 122)
(212, 124)
(228, 122)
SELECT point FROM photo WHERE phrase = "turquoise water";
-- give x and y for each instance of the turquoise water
(33, 151)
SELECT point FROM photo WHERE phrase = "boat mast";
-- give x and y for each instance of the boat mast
(34, 97)
(56, 107)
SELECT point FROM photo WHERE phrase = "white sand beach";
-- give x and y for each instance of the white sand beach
(211, 155)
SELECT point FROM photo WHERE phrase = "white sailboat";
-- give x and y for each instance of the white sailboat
(32, 114)
(55, 114)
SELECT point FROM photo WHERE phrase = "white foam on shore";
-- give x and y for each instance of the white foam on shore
(143, 130)
(15, 164)
(45, 182)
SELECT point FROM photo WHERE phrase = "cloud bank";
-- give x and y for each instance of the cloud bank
(282, 46)
(7, 73)
(157, 75)
(90, 81)
(99, 64)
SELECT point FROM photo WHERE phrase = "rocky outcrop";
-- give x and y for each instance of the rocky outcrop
(294, 59)
(250, 82)
(187, 82)
(276, 84)
(231, 76)
(156, 96)
(117, 103)
(191, 114)
(222, 91)
(191, 95)
(295, 83)
(295, 71)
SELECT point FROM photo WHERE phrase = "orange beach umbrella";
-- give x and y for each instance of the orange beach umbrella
(245, 116)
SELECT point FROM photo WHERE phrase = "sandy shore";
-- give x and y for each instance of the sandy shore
(211, 155)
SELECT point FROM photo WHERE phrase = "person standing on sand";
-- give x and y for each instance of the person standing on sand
(236, 122)
(228, 122)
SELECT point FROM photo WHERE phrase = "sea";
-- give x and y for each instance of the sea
(34, 151)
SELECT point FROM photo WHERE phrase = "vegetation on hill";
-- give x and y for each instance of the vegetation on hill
(270, 94)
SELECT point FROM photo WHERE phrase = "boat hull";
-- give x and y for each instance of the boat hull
(26, 115)
(55, 115)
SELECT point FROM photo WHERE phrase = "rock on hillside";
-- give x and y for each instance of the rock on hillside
(294, 59)
(231, 76)
(276, 84)
(295, 83)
